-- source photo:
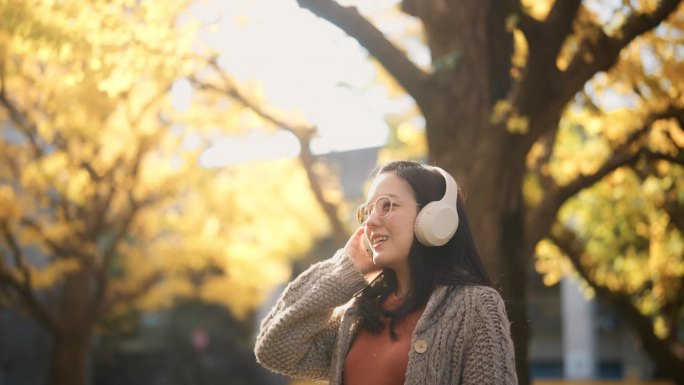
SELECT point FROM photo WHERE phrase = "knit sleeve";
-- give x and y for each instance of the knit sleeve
(489, 356)
(298, 335)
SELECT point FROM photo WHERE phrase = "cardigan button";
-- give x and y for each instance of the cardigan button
(420, 346)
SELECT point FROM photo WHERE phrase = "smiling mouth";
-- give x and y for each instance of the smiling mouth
(379, 240)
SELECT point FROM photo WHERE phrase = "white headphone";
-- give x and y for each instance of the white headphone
(437, 222)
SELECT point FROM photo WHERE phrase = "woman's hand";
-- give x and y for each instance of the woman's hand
(360, 257)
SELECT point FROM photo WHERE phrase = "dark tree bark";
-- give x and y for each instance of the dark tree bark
(68, 359)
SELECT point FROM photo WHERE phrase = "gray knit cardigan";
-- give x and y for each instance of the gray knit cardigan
(461, 338)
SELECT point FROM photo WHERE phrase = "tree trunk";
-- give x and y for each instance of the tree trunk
(515, 261)
(69, 355)
(490, 172)
(74, 329)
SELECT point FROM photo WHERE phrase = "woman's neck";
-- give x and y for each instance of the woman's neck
(403, 283)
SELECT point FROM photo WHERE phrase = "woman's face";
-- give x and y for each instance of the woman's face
(391, 236)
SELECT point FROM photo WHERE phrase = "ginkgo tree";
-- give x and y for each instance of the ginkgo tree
(497, 97)
(623, 235)
(104, 204)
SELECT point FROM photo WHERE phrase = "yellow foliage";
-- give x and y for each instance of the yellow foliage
(586, 139)
(532, 190)
(54, 273)
(538, 9)
(666, 137)
(500, 110)
(550, 262)
(9, 209)
(535, 153)
(407, 138)
(630, 244)
(408, 133)
(103, 157)
(520, 53)
(246, 239)
(515, 123)
(660, 328)
(518, 124)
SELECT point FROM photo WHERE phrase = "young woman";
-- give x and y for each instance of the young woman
(406, 301)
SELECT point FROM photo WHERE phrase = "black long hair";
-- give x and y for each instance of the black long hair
(455, 263)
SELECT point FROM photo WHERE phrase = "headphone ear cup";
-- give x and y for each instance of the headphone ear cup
(436, 223)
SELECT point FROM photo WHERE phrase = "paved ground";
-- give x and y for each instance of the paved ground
(561, 382)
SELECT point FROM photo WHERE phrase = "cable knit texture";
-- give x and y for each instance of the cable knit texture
(463, 336)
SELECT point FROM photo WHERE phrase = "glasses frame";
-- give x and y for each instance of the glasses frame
(361, 217)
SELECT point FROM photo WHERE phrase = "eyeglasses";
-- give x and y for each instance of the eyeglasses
(382, 206)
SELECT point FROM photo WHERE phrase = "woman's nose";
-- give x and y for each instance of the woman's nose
(373, 218)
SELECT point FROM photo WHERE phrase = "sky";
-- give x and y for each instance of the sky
(304, 64)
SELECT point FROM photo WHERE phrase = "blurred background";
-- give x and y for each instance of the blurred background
(167, 167)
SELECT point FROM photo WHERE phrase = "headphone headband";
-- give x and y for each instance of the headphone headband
(437, 222)
(451, 192)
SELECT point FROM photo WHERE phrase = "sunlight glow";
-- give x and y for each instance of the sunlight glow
(255, 146)
(305, 65)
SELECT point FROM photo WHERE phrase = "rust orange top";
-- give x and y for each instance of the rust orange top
(377, 358)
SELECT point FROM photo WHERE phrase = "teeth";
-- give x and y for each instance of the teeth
(380, 239)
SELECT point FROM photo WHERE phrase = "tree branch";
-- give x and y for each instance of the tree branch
(677, 159)
(107, 256)
(605, 50)
(26, 297)
(675, 211)
(558, 26)
(23, 122)
(529, 26)
(543, 215)
(135, 118)
(348, 19)
(20, 118)
(129, 296)
(58, 250)
(547, 141)
(230, 89)
(665, 352)
(27, 300)
(17, 254)
(537, 94)
(674, 304)
(673, 310)
(303, 133)
(330, 209)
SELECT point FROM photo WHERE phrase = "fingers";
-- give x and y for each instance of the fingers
(359, 232)
(362, 241)
(354, 240)
(361, 255)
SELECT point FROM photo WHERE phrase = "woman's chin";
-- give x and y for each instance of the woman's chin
(379, 259)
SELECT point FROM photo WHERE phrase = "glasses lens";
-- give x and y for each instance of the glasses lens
(361, 214)
(383, 206)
